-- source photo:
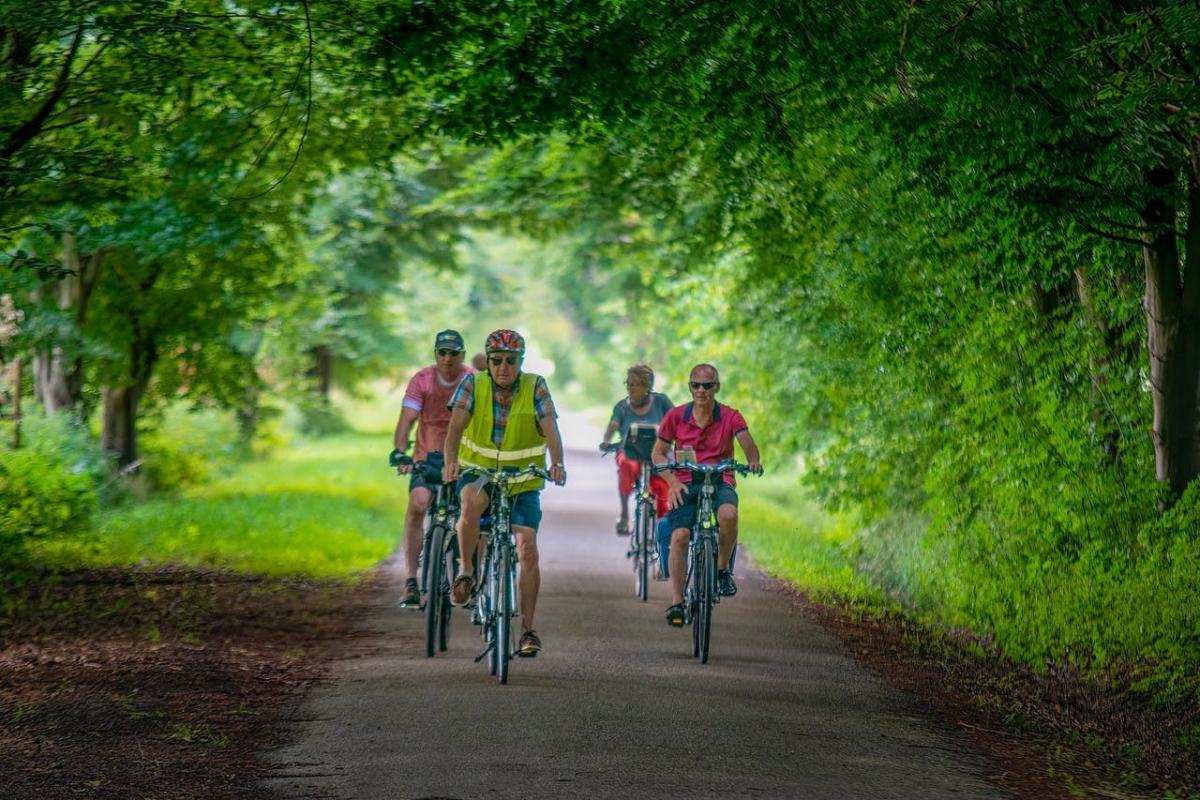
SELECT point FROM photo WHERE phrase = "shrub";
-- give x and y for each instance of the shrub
(187, 446)
(50, 487)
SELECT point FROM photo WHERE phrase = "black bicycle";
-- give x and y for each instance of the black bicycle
(496, 603)
(439, 550)
(700, 592)
(643, 549)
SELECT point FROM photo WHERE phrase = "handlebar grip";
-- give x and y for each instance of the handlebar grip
(398, 457)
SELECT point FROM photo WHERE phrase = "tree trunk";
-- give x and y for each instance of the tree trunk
(119, 430)
(1173, 326)
(322, 371)
(58, 378)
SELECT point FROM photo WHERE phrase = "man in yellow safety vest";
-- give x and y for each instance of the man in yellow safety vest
(503, 417)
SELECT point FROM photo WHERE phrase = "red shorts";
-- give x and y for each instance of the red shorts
(628, 471)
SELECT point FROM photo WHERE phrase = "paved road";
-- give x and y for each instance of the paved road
(615, 706)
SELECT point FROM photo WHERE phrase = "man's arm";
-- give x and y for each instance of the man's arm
(458, 423)
(400, 440)
(674, 485)
(608, 432)
(558, 472)
(750, 449)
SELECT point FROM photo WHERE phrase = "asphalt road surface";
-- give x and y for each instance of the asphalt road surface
(615, 706)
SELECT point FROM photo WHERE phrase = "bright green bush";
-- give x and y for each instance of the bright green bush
(188, 446)
(51, 486)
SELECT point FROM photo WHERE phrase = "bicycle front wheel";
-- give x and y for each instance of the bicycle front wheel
(450, 572)
(434, 564)
(645, 534)
(707, 598)
(504, 608)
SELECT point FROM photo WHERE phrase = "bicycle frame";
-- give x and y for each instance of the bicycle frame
(704, 529)
(444, 511)
(499, 585)
(700, 589)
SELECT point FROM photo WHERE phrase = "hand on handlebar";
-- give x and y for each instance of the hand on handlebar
(450, 471)
(558, 474)
(401, 461)
(755, 468)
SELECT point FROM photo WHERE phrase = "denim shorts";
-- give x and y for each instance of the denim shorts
(417, 481)
(524, 509)
(685, 515)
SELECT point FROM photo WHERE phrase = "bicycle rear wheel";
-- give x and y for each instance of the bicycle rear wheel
(707, 598)
(645, 534)
(504, 607)
(434, 563)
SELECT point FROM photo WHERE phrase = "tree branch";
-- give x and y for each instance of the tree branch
(1116, 237)
(33, 126)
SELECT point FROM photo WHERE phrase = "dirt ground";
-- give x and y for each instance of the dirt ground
(161, 684)
(1051, 733)
(173, 683)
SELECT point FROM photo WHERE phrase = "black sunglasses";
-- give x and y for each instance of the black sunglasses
(705, 385)
(496, 361)
(445, 351)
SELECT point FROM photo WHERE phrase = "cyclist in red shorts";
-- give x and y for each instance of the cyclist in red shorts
(646, 407)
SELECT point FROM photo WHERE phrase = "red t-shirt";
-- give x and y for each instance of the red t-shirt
(713, 443)
(428, 395)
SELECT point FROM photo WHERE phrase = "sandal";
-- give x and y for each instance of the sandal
(460, 591)
(675, 615)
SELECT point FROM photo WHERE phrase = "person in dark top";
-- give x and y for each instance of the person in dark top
(642, 406)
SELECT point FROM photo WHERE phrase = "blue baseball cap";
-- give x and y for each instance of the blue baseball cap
(449, 339)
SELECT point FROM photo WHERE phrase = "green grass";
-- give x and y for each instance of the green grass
(323, 508)
(789, 536)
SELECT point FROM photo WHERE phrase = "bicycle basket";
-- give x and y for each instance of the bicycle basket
(639, 442)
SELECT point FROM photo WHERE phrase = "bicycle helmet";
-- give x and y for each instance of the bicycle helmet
(505, 341)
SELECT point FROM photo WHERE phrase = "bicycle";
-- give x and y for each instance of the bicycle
(439, 550)
(495, 603)
(642, 546)
(700, 590)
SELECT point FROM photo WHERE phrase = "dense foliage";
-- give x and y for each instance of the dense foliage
(946, 252)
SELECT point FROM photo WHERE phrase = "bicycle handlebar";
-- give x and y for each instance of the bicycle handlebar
(710, 469)
(507, 474)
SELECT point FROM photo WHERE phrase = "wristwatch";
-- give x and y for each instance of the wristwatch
(559, 464)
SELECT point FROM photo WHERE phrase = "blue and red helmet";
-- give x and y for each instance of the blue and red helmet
(505, 341)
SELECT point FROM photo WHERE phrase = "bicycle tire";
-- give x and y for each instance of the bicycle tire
(645, 529)
(694, 600)
(433, 593)
(504, 617)
(450, 572)
(709, 557)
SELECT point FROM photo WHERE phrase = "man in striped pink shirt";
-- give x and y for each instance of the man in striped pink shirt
(425, 403)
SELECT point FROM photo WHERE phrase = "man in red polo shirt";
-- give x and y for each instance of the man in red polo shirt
(706, 429)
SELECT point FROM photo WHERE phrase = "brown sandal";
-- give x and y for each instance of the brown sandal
(460, 592)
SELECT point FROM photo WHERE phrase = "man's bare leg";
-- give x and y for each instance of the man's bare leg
(727, 525)
(530, 579)
(678, 562)
(474, 501)
(419, 500)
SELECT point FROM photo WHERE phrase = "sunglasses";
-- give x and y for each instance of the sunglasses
(705, 385)
(445, 351)
(496, 361)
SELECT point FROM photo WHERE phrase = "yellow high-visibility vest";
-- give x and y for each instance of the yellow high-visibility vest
(523, 444)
